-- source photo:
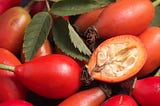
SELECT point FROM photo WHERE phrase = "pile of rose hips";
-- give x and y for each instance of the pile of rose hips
(119, 72)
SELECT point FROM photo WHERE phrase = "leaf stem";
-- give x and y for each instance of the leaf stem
(48, 6)
(156, 3)
(7, 67)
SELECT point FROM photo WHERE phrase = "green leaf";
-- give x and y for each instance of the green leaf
(74, 7)
(77, 41)
(156, 20)
(61, 37)
(104, 2)
(36, 33)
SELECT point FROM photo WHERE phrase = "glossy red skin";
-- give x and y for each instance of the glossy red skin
(125, 17)
(147, 91)
(53, 76)
(6, 4)
(90, 97)
(13, 23)
(120, 100)
(151, 39)
(11, 88)
(87, 19)
(16, 102)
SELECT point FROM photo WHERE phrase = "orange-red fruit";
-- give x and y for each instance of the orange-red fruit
(147, 91)
(13, 23)
(11, 88)
(87, 19)
(54, 76)
(120, 100)
(6, 4)
(16, 102)
(90, 97)
(151, 39)
(125, 17)
(117, 59)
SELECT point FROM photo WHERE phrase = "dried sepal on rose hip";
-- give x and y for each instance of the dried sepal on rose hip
(117, 59)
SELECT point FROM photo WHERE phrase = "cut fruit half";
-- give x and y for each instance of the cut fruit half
(117, 59)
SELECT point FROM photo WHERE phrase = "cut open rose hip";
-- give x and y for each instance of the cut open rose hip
(117, 59)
